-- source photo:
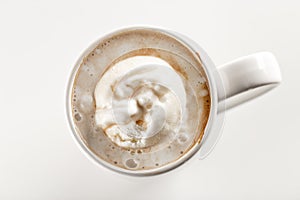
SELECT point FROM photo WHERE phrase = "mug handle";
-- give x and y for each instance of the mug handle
(248, 77)
(242, 80)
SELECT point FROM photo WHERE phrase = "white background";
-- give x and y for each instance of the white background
(258, 156)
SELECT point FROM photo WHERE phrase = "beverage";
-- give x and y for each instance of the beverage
(140, 100)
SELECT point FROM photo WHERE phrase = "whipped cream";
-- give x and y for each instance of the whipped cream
(138, 100)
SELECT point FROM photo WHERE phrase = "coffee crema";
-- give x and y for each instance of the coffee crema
(140, 99)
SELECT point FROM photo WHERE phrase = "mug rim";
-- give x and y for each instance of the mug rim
(197, 52)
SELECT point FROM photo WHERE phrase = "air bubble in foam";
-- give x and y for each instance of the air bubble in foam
(86, 102)
(203, 93)
(85, 67)
(201, 80)
(182, 138)
(131, 163)
(98, 51)
(78, 117)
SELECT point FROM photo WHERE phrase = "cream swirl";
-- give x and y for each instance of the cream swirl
(139, 102)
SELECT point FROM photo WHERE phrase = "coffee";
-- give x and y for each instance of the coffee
(140, 99)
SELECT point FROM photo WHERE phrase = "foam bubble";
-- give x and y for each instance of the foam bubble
(78, 117)
(182, 138)
(131, 163)
(86, 102)
(203, 93)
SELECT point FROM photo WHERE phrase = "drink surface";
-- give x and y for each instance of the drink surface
(140, 100)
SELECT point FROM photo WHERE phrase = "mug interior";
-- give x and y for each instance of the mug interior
(102, 56)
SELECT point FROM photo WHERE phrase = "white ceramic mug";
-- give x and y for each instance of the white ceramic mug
(230, 85)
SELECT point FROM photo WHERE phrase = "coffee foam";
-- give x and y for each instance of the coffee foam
(104, 103)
